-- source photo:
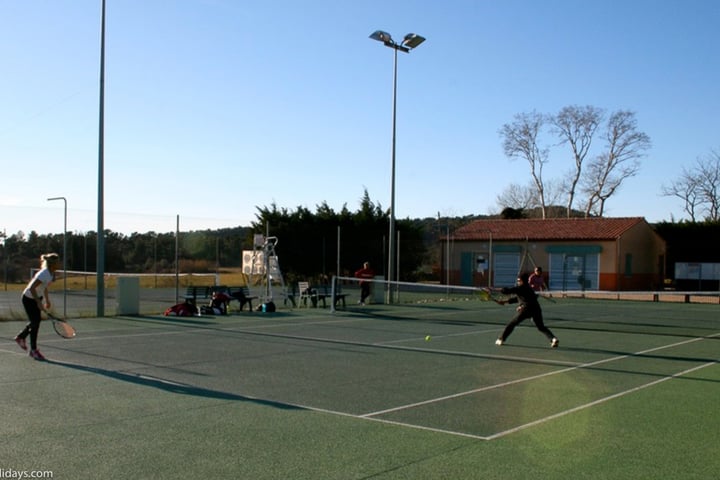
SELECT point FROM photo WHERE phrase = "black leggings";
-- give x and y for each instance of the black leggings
(364, 291)
(33, 313)
(523, 314)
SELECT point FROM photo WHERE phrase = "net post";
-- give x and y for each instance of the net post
(333, 281)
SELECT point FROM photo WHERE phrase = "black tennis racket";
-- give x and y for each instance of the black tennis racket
(61, 326)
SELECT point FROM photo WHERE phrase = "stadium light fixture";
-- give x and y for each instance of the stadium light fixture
(409, 42)
(64, 253)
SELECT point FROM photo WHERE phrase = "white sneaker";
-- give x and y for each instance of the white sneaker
(499, 342)
(555, 342)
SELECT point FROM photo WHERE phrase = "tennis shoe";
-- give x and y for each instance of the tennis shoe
(37, 355)
(555, 343)
(21, 342)
(499, 342)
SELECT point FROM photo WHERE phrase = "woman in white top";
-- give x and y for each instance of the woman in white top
(32, 298)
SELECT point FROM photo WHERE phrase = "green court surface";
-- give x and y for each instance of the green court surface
(632, 392)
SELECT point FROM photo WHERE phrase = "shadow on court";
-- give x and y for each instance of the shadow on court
(171, 386)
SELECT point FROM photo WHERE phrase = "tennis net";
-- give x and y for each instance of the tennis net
(377, 291)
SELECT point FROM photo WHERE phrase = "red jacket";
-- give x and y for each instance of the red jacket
(365, 273)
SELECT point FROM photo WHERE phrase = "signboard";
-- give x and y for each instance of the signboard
(697, 271)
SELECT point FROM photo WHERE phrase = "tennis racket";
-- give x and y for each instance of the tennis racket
(488, 294)
(547, 296)
(62, 327)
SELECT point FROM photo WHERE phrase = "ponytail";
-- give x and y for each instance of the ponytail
(48, 259)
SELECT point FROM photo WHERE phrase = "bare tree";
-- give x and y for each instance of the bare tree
(699, 188)
(686, 189)
(709, 168)
(518, 197)
(620, 160)
(520, 140)
(576, 127)
(525, 197)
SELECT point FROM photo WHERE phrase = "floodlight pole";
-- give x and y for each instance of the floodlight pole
(447, 256)
(392, 245)
(100, 254)
(491, 282)
(410, 41)
(3, 237)
(64, 253)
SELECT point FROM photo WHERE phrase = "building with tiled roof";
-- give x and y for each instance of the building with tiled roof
(574, 253)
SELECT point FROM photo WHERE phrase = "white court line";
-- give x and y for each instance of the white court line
(597, 402)
(388, 346)
(450, 335)
(245, 329)
(14, 351)
(565, 370)
(357, 317)
(391, 422)
(371, 416)
(515, 429)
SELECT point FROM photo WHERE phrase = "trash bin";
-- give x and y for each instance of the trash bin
(128, 296)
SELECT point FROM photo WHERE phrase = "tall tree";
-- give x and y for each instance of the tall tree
(520, 140)
(308, 241)
(619, 161)
(576, 127)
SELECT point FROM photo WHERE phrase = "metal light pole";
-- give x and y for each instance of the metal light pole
(447, 256)
(3, 236)
(446, 261)
(85, 258)
(155, 238)
(100, 254)
(64, 253)
(490, 263)
(408, 43)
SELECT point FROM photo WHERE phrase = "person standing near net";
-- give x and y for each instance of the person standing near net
(537, 281)
(35, 299)
(364, 274)
(528, 307)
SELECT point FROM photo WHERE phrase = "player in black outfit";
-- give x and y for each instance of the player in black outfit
(529, 308)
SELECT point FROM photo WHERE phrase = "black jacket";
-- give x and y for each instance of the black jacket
(524, 295)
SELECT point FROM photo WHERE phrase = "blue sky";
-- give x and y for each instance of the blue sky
(215, 107)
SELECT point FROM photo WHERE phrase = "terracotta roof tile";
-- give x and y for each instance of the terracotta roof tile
(548, 229)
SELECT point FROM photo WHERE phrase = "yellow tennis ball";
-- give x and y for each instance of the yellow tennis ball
(427, 338)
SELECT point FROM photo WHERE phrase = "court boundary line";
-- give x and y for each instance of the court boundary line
(371, 416)
(539, 421)
(514, 429)
(533, 377)
(388, 346)
(598, 401)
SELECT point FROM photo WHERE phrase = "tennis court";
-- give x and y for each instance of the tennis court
(632, 392)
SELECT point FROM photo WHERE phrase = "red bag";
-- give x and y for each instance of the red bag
(181, 310)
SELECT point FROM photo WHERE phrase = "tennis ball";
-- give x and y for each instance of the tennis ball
(427, 338)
